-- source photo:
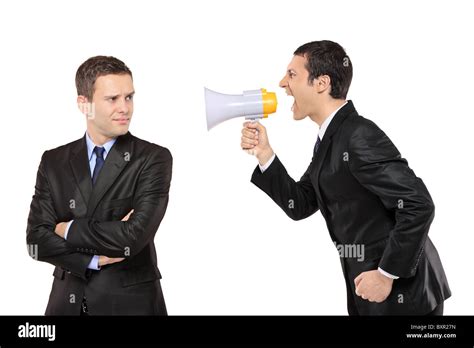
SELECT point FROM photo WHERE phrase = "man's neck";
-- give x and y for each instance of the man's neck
(97, 138)
(326, 110)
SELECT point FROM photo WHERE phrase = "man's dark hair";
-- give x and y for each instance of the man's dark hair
(94, 67)
(328, 58)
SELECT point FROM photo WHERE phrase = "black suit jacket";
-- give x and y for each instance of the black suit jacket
(136, 175)
(369, 198)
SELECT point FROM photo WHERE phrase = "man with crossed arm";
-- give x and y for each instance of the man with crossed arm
(98, 203)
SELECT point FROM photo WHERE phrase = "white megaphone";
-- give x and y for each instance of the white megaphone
(252, 105)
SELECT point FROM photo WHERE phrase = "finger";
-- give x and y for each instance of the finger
(251, 134)
(251, 130)
(379, 300)
(250, 137)
(258, 127)
(117, 259)
(126, 217)
(358, 279)
(253, 125)
(249, 141)
(246, 145)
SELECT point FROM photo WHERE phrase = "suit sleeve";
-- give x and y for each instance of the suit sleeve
(128, 238)
(44, 243)
(297, 199)
(378, 166)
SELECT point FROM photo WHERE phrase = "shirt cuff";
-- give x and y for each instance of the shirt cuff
(266, 165)
(391, 276)
(67, 229)
(94, 264)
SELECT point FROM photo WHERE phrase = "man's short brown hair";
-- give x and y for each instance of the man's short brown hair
(94, 67)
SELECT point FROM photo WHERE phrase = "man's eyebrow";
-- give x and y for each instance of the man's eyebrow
(118, 95)
(291, 71)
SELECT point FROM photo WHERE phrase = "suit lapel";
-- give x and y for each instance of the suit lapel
(80, 167)
(118, 158)
(338, 119)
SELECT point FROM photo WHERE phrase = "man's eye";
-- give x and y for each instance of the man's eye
(130, 97)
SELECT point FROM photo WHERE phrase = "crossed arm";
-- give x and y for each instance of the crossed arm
(103, 260)
(115, 239)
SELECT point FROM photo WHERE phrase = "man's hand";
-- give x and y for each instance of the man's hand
(255, 141)
(60, 229)
(105, 260)
(126, 217)
(373, 286)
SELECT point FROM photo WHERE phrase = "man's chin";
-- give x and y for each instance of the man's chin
(120, 131)
(298, 117)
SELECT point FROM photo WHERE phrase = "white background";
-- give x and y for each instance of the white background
(224, 247)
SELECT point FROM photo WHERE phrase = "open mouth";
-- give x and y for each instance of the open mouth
(289, 92)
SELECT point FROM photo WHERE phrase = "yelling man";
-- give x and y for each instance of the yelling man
(370, 198)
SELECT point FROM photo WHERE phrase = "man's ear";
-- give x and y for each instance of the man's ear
(81, 100)
(85, 107)
(322, 84)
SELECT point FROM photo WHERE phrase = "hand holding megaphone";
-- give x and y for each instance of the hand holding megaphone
(255, 141)
(253, 105)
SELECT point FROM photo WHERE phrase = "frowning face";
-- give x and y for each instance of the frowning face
(112, 106)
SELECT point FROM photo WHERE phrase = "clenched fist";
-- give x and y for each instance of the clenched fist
(255, 141)
(373, 286)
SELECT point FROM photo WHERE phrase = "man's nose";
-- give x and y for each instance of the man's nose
(283, 82)
(123, 106)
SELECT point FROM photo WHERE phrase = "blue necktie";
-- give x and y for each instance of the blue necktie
(316, 146)
(99, 163)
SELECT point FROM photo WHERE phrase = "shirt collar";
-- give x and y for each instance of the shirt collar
(90, 146)
(327, 121)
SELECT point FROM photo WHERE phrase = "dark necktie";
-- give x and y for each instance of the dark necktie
(99, 163)
(316, 146)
